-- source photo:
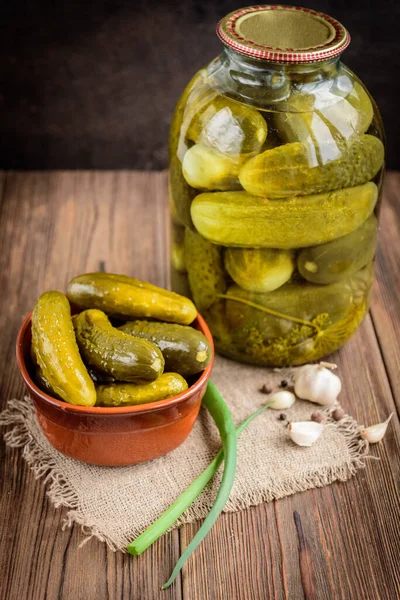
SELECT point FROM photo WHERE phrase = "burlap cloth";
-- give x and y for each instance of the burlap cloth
(115, 504)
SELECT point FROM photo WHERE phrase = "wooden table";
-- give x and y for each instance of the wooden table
(344, 542)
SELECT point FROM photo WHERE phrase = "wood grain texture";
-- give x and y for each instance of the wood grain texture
(346, 543)
(385, 310)
(352, 528)
(53, 226)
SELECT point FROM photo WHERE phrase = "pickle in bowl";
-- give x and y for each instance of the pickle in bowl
(131, 394)
(185, 350)
(126, 297)
(111, 351)
(56, 350)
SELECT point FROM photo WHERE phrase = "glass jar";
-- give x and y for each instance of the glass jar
(276, 160)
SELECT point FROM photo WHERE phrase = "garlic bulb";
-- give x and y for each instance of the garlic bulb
(304, 433)
(376, 432)
(280, 400)
(317, 383)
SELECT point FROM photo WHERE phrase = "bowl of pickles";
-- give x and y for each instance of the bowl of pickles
(116, 368)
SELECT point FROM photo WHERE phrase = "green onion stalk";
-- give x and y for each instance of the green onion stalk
(221, 415)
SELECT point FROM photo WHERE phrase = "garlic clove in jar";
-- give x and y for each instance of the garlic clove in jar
(317, 383)
(305, 433)
(281, 400)
(375, 433)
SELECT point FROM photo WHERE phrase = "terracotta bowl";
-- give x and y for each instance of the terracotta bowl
(114, 436)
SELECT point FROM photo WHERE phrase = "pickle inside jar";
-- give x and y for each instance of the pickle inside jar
(307, 191)
(297, 323)
(228, 126)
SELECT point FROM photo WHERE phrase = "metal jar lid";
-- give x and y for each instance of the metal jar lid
(283, 34)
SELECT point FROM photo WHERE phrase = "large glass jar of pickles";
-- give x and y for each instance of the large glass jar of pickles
(276, 158)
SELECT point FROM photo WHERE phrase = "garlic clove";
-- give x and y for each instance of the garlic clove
(328, 365)
(317, 384)
(305, 433)
(281, 400)
(375, 433)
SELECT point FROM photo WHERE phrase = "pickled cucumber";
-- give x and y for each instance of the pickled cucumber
(239, 219)
(217, 322)
(43, 383)
(259, 269)
(290, 305)
(206, 169)
(56, 350)
(296, 323)
(128, 394)
(99, 377)
(300, 347)
(111, 351)
(180, 283)
(294, 169)
(127, 297)
(181, 193)
(340, 258)
(185, 350)
(204, 267)
(178, 248)
(228, 126)
(304, 118)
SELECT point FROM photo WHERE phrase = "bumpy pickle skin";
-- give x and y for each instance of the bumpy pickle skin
(259, 269)
(205, 270)
(127, 297)
(228, 126)
(340, 258)
(130, 394)
(207, 169)
(56, 351)
(295, 324)
(111, 351)
(240, 219)
(300, 301)
(185, 350)
(294, 168)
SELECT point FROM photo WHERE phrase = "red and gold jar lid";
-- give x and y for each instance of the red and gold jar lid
(283, 34)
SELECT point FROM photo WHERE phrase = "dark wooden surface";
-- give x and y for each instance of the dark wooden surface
(341, 541)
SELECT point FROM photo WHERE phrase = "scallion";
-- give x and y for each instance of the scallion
(212, 401)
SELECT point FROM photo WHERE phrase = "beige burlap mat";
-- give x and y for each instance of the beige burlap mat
(115, 504)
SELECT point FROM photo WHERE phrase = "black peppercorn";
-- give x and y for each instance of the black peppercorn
(265, 389)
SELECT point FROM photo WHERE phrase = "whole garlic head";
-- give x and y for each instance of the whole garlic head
(317, 384)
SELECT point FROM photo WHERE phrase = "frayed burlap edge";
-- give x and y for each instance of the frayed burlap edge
(19, 412)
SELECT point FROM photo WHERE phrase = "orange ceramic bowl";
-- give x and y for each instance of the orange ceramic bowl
(114, 436)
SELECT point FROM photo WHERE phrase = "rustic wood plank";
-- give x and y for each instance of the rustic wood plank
(351, 530)
(53, 226)
(386, 306)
